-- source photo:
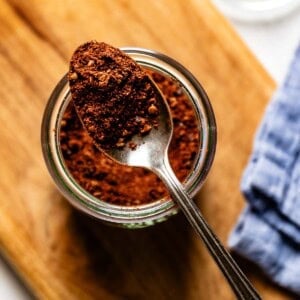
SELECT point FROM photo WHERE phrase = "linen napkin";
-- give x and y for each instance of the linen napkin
(268, 230)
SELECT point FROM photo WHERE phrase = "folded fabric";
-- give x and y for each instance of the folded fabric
(268, 231)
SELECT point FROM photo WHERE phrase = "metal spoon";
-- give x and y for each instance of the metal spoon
(152, 153)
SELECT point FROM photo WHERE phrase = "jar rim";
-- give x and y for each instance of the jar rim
(145, 214)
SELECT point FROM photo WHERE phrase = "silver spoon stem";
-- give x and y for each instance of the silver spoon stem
(241, 286)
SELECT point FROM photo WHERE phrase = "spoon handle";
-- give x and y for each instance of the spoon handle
(241, 286)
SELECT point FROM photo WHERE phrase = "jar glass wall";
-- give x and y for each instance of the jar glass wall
(139, 215)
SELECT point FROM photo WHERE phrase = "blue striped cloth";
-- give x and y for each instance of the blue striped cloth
(268, 230)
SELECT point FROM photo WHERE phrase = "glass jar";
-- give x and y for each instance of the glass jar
(146, 214)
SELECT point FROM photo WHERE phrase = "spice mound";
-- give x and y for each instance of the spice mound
(122, 185)
(112, 94)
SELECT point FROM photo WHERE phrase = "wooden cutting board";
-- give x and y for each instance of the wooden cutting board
(61, 254)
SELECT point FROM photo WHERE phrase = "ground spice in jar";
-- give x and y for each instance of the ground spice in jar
(123, 185)
(112, 94)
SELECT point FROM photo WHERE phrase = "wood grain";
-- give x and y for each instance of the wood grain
(61, 254)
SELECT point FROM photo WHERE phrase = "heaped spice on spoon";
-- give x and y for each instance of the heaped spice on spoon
(112, 94)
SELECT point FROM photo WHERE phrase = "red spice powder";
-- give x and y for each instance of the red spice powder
(113, 95)
(122, 185)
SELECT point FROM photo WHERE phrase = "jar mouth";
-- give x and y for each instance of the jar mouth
(144, 214)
